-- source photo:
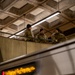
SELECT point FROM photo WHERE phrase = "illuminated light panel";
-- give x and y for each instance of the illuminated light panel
(53, 19)
(57, 0)
(12, 36)
(2, 73)
(17, 34)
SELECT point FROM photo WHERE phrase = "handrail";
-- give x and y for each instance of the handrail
(40, 52)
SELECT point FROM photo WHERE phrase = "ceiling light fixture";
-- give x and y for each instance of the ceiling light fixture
(46, 18)
(39, 22)
(13, 36)
(20, 32)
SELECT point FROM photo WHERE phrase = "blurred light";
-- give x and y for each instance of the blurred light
(20, 32)
(20, 71)
(39, 22)
(57, 0)
(3, 73)
(12, 36)
(47, 18)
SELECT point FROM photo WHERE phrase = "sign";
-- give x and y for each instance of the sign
(27, 69)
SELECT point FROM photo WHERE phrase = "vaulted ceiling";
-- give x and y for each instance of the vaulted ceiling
(16, 14)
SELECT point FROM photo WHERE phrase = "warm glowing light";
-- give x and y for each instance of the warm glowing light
(20, 71)
(2, 73)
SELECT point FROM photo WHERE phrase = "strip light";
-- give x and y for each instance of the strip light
(17, 34)
(45, 19)
(20, 32)
(12, 36)
(39, 22)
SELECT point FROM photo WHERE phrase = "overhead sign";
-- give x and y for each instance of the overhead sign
(27, 69)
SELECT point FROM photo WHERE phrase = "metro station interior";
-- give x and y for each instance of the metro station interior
(21, 57)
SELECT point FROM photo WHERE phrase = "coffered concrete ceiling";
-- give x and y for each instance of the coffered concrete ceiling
(16, 14)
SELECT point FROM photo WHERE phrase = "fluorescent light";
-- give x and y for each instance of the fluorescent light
(52, 19)
(47, 18)
(12, 36)
(57, 0)
(39, 22)
(17, 34)
(20, 32)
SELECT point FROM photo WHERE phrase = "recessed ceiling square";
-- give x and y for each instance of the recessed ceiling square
(4, 30)
(3, 16)
(37, 11)
(72, 8)
(18, 22)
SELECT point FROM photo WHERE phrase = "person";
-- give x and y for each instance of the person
(58, 37)
(28, 33)
(41, 37)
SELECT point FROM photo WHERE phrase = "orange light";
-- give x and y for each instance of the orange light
(20, 71)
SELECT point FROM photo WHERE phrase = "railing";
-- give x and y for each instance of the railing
(57, 60)
(11, 48)
(18, 46)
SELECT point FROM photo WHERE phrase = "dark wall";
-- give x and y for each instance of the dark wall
(1, 59)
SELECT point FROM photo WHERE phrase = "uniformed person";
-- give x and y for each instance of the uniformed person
(58, 37)
(28, 34)
(41, 37)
